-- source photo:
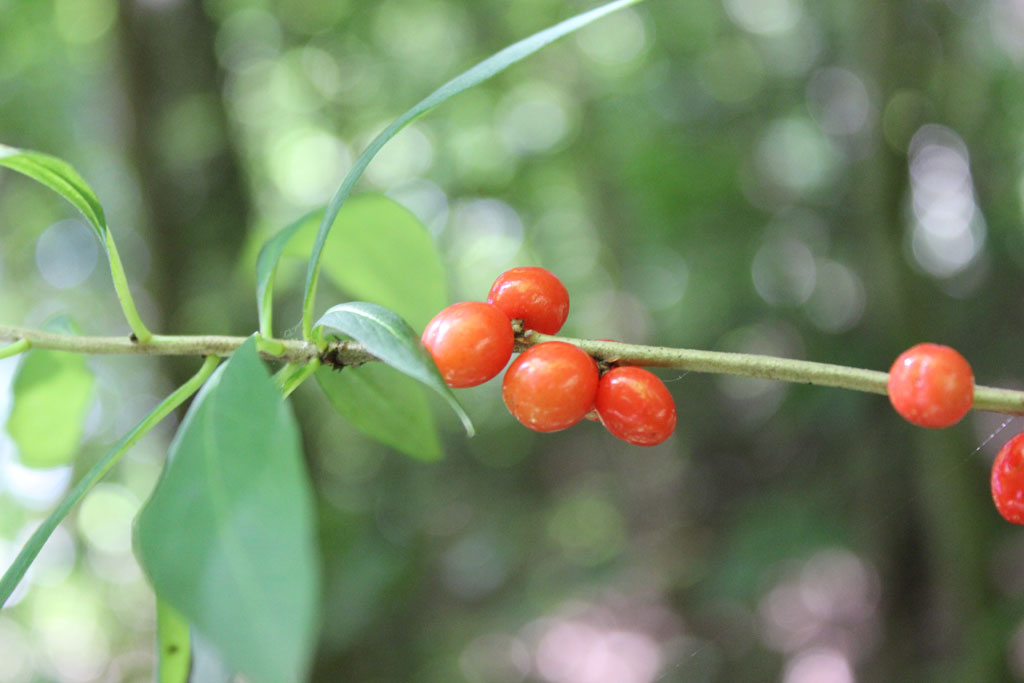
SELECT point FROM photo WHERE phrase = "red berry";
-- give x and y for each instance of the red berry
(931, 385)
(550, 386)
(1008, 480)
(532, 295)
(636, 406)
(470, 342)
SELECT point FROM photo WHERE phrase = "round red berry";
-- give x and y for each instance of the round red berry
(532, 295)
(636, 406)
(1008, 480)
(550, 386)
(931, 385)
(471, 342)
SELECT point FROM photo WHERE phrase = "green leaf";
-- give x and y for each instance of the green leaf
(384, 334)
(378, 251)
(494, 64)
(385, 405)
(53, 391)
(227, 537)
(14, 574)
(62, 178)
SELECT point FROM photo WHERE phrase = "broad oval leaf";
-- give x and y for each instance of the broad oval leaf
(494, 64)
(228, 536)
(53, 392)
(385, 405)
(389, 338)
(378, 251)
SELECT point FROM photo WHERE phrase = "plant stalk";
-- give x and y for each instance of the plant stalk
(124, 294)
(766, 367)
(286, 350)
(301, 353)
(14, 349)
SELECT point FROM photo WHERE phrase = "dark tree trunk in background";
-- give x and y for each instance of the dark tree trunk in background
(933, 566)
(192, 190)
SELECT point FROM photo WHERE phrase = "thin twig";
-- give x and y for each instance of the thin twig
(352, 353)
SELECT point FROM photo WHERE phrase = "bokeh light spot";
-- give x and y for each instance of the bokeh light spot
(819, 666)
(947, 231)
(407, 155)
(839, 298)
(105, 518)
(588, 528)
(84, 22)
(307, 164)
(784, 271)
(534, 118)
(839, 101)
(66, 253)
(616, 40)
(765, 17)
(793, 154)
(731, 71)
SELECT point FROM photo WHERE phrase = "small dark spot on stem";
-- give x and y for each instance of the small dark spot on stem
(133, 339)
(332, 358)
(172, 649)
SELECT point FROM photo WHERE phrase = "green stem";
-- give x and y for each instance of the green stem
(303, 353)
(293, 382)
(172, 637)
(766, 367)
(269, 345)
(14, 349)
(286, 350)
(28, 552)
(124, 294)
(282, 375)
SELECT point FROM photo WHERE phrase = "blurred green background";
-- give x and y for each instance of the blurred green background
(824, 180)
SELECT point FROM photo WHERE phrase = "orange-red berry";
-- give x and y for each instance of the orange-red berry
(550, 386)
(471, 342)
(636, 406)
(532, 295)
(931, 385)
(1008, 480)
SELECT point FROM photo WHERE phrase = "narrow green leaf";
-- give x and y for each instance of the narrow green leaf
(389, 338)
(172, 637)
(227, 537)
(34, 544)
(494, 64)
(378, 251)
(385, 405)
(53, 391)
(62, 178)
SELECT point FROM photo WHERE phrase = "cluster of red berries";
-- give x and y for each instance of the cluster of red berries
(552, 385)
(933, 386)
